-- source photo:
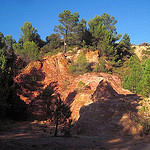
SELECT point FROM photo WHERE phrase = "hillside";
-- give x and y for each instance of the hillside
(104, 115)
(97, 100)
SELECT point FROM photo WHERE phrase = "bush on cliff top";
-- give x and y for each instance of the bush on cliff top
(81, 66)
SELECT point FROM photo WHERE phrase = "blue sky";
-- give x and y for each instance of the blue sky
(133, 15)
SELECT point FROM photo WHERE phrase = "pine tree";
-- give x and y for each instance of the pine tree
(68, 22)
(60, 113)
(144, 84)
(132, 81)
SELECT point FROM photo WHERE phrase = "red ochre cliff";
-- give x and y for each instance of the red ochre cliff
(98, 103)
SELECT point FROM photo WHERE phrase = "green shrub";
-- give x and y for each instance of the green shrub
(144, 114)
(138, 81)
(132, 81)
(81, 84)
(144, 84)
(52, 52)
(146, 54)
(81, 66)
(66, 83)
(30, 51)
(100, 67)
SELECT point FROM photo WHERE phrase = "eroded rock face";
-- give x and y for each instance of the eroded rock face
(98, 103)
(109, 113)
(138, 49)
(104, 91)
(39, 74)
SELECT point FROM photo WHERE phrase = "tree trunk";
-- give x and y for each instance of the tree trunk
(65, 41)
(56, 128)
(64, 45)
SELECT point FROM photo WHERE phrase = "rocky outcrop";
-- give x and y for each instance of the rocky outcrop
(37, 75)
(109, 113)
(139, 49)
(97, 100)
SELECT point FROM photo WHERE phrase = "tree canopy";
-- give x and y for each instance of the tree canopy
(139, 79)
(68, 23)
(29, 33)
(28, 46)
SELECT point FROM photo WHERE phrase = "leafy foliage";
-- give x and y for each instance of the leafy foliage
(10, 104)
(81, 66)
(9, 42)
(28, 52)
(124, 47)
(31, 50)
(54, 42)
(100, 67)
(146, 53)
(144, 84)
(71, 29)
(68, 22)
(2, 40)
(18, 49)
(28, 47)
(103, 31)
(139, 79)
(105, 37)
(144, 113)
(30, 34)
(60, 113)
(54, 108)
(78, 35)
(131, 82)
(6, 61)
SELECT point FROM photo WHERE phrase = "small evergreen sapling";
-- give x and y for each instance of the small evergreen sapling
(61, 113)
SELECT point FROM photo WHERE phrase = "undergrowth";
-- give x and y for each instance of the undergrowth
(144, 115)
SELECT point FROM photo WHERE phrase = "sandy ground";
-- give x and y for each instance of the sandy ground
(31, 136)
